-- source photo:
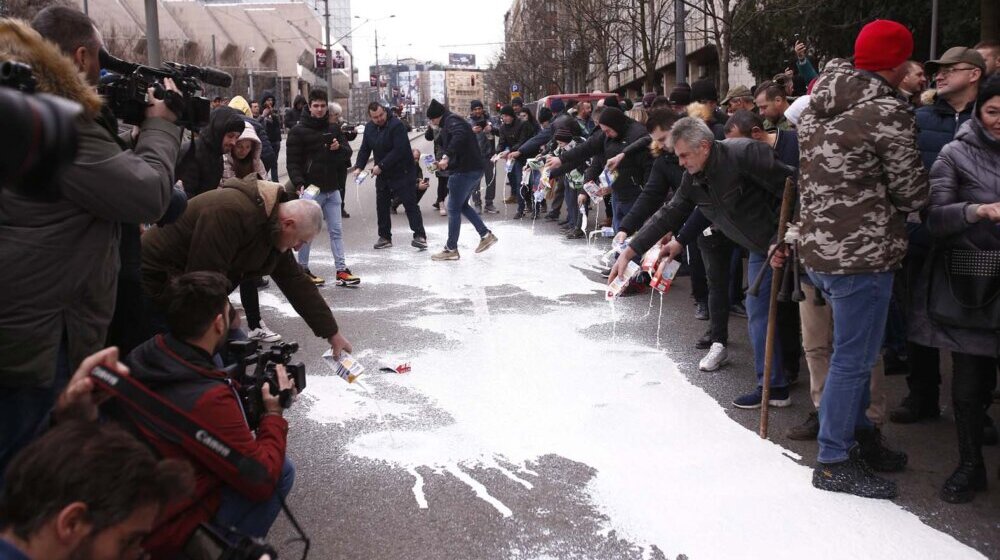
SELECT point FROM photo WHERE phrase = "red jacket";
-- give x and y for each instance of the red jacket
(185, 376)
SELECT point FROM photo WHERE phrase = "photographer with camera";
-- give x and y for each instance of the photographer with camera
(178, 367)
(86, 491)
(61, 256)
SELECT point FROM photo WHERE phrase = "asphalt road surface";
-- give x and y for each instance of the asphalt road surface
(538, 421)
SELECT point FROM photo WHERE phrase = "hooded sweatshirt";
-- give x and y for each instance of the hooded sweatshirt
(860, 173)
(267, 153)
(200, 167)
(250, 165)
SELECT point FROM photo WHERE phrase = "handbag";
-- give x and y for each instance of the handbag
(964, 288)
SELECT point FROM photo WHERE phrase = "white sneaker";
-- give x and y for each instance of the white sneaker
(263, 334)
(442, 211)
(717, 357)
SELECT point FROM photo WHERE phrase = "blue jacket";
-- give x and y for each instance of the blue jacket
(460, 145)
(937, 125)
(391, 148)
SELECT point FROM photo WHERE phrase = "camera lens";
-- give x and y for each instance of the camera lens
(42, 142)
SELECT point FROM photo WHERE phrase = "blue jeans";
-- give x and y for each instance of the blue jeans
(619, 210)
(460, 188)
(24, 411)
(330, 203)
(249, 517)
(860, 303)
(757, 311)
(514, 178)
(572, 206)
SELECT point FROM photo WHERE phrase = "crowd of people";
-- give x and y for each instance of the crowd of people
(127, 274)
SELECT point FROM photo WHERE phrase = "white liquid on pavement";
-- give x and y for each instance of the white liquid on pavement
(671, 469)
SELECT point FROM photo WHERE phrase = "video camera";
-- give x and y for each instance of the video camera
(127, 84)
(253, 369)
(41, 135)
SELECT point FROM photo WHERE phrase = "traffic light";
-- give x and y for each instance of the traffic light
(499, 105)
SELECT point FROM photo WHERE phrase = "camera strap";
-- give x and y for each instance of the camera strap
(197, 439)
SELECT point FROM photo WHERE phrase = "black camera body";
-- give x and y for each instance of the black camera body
(254, 371)
(41, 139)
(350, 131)
(126, 89)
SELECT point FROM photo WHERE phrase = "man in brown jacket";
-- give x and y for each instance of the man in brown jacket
(246, 229)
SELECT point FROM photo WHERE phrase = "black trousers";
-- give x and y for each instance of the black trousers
(405, 189)
(251, 302)
(699, 280)
(717, 252)
(442, 189)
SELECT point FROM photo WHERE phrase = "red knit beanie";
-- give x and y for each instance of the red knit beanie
(882, 44)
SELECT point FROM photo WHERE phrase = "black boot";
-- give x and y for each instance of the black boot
(915, 408)
(990, 434)
(853, 477)
(970, 476)
(874, 452)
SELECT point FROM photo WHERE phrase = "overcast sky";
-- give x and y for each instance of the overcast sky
(422, 29)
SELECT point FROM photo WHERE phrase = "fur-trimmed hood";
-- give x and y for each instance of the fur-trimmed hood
(55, 72)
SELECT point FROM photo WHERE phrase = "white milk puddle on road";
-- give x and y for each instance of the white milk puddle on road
(672, 470)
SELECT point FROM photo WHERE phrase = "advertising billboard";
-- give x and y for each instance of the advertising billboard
(459, 59)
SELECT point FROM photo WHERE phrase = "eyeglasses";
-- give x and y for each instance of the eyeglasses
(949, 71)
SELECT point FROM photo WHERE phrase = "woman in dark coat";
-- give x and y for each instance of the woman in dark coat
(962, 218)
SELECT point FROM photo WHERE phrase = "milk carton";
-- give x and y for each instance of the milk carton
(347, 368)
(361, 178)
(664, 276)
(617, 285)
(428, 162)
(310, 192)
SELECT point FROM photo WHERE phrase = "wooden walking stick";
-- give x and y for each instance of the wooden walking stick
(785, 216)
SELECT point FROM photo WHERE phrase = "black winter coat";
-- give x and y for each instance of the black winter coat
(937, 125)
(966, 172)
(632, 171)
(390, 147)
(310, 162)
(200, 165)
(739, 191)
(272, 123)
(460, 145)
(664, 180)
(513, 135)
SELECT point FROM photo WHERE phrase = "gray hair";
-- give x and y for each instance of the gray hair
(306, 213)
(692, 131)
(336, 109)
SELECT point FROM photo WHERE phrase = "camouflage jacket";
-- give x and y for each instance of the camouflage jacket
(860, 173)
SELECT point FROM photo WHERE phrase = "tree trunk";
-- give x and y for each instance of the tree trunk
(725, 53)
(989, 20)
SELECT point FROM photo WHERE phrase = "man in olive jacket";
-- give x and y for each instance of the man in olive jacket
(61, 258)
(246, 229)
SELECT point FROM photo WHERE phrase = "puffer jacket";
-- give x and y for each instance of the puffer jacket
(739, 191)
(860, 173)
(967, 171)
(937, 125)
(310, 162)
(61, 257)
(229, 163)
(233, 231)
